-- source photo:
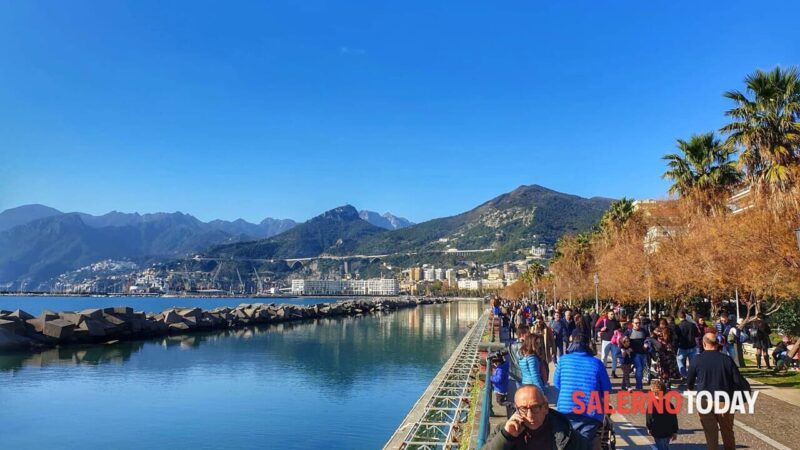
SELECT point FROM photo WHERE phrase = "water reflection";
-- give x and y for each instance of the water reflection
(330, 350)
(250, 386)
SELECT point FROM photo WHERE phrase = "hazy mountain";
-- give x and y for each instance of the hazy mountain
(387, 220)
(338, 230)
(43, 248)
(35, 250)
(21, 215)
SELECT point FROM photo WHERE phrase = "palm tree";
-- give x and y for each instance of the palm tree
(617, 214)
(705, 173)
(766, 126)
(533, 275)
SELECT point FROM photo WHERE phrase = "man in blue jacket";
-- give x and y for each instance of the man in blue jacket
(579, 371)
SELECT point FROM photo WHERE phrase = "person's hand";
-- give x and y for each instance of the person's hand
(515, 425)
(603, 329)
(674, 436)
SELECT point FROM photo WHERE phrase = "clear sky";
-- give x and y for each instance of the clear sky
(425, 109)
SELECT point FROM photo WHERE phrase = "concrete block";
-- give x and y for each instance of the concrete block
(190, 312)
(93, 327)
(59, 328)
(171, 317)
(94, 313)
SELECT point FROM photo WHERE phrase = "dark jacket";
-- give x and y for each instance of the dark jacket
(714, 371)
(565, 437)
(687, 334)
(610, 324)
(638, 337)
(559, 328)
(661, 425)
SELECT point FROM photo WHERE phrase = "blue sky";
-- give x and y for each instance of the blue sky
(424, 109)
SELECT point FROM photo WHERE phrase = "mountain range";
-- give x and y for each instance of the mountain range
(506, 226)
(38, 243)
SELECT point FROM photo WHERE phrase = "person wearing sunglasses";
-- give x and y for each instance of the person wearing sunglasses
(535, 426)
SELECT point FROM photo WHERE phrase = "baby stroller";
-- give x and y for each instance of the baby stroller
(652, 368)
(608, 439)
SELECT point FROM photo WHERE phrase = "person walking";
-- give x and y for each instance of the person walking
(605, 329)
(663, 426)
(579, 373)
(687, 343)
(638, 336)
(560, 330)
(714, 371)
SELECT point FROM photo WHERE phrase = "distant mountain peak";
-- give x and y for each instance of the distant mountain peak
(344, 212)
(21, 215)
(387, 220)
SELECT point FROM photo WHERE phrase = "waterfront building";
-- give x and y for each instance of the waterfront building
(372, 286)
(429, 274)
(495, 274)
(492, 284)
(469, 285)
(450, 275)
(438, 274)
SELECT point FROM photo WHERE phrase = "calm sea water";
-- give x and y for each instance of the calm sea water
(35, 305)
(343, 383)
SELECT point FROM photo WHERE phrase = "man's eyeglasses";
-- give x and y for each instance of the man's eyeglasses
(536, 409)
(636, 323)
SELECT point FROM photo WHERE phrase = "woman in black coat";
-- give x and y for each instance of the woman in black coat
(761, 339)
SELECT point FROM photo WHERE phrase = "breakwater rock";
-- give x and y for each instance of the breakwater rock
(20, 330)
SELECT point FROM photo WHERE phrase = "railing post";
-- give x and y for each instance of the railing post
(486, 411)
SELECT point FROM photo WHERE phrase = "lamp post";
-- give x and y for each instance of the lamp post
(797, 234)
(596, 300)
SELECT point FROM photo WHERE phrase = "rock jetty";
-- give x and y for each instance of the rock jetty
(20, 330)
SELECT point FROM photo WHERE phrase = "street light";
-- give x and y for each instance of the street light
(797, 234)
(596, 301)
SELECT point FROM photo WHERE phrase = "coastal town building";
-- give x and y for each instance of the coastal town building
(469, 285)
(372, 286)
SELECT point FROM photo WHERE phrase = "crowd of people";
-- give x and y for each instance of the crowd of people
(666, 351)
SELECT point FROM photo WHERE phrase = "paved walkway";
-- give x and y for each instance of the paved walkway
(771, 427)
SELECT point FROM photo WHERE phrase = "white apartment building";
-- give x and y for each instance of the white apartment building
(469, 285)
(450, 275)
(438, 274)
(372, 286)
(429, 274)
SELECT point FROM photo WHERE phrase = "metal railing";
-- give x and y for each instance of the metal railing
(486, 410)
(440, 422)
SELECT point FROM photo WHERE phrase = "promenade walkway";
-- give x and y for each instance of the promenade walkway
(773, 426)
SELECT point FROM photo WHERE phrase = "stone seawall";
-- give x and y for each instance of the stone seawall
(20, 330)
